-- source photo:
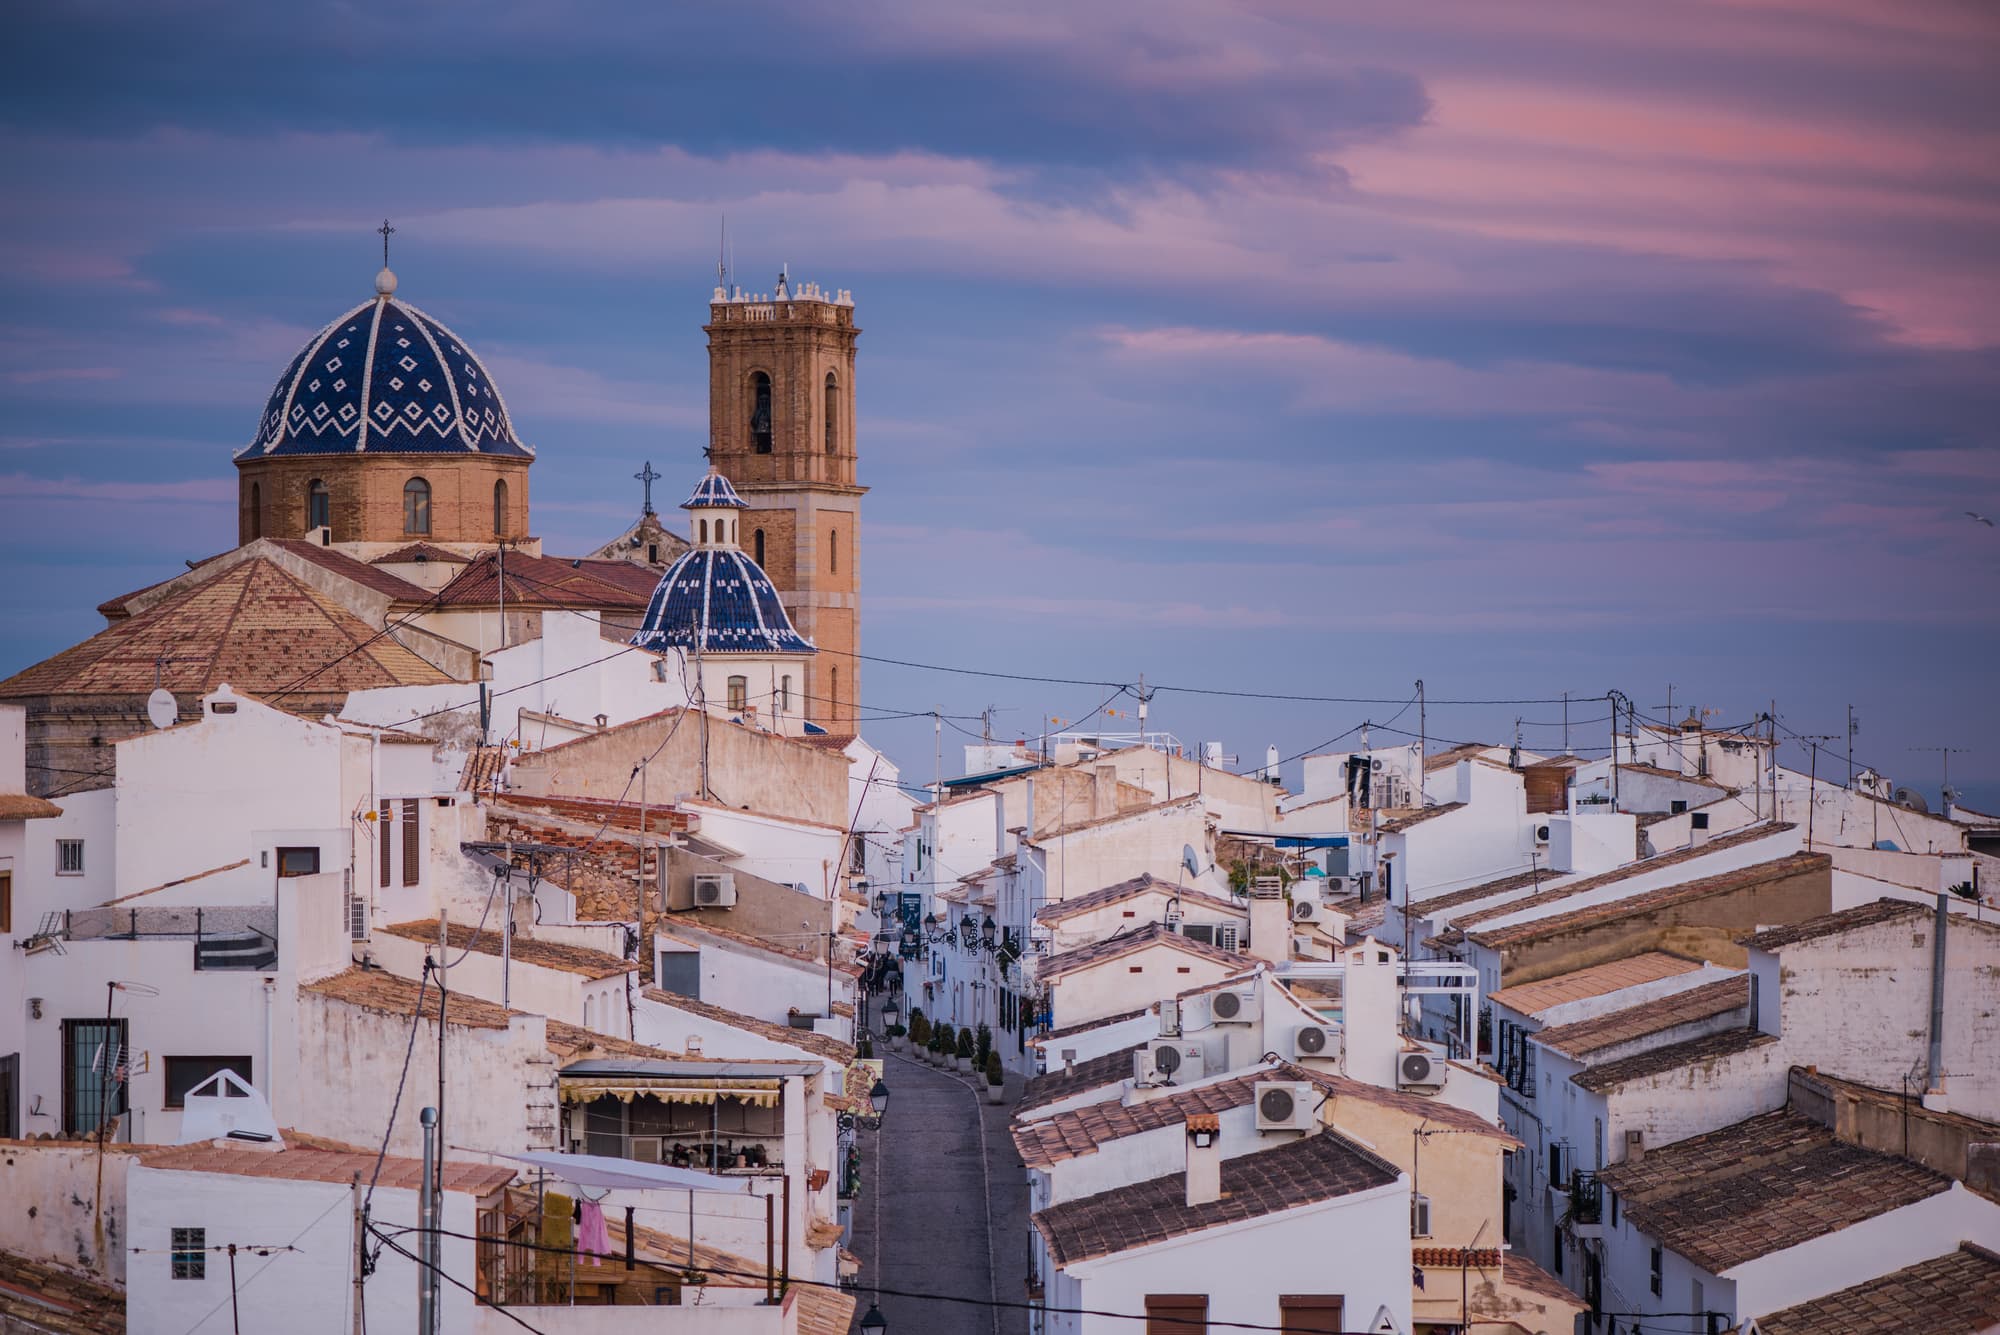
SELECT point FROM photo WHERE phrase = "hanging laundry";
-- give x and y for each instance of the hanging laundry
(592, 1237)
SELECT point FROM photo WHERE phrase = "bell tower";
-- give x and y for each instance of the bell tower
(781, 427)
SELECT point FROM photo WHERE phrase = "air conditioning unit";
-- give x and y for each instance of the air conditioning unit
(1315, 1040)
(1233, 1008)
(1541, 834)
(1307, 910)
(1170, 1018)
(1417, 1069)
(1420, 1216)
(715, 890)
(1167, 1061)
(1285, 1105)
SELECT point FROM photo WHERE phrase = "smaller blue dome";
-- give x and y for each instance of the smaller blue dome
(723, 597)
(714, 492)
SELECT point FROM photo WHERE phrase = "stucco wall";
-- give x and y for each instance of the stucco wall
(48, 1206)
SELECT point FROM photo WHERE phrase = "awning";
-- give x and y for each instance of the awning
(602, 1170)
(758, 1091)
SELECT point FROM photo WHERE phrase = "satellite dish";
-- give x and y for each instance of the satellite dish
(1189, 860)
(162, 709)
(1911, 799)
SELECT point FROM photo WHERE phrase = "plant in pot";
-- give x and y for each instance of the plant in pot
(982, 1047)
(895, 1034)
(996, 1079)
(920, 1033)
(947, 1048)
(964, 1050)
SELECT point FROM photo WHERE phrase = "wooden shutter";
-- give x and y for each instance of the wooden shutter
(384, 831)
(411, 848)
(1176, 1313)
(1309, 1314)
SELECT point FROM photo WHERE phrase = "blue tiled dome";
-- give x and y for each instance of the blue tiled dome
(714, 492)
(724, 596)
(385, 379)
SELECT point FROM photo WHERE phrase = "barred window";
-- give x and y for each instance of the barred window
(190, 1253)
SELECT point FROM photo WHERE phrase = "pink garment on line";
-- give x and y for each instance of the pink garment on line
(592, 1237)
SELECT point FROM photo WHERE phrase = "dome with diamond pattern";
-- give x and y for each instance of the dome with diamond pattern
(385, 378)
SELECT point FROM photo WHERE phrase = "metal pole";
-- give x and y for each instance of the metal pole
(235, 1314)
(427, 1232)
(360, 1253)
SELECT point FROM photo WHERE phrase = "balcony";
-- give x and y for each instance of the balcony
(227, 939)
(1586, 1205)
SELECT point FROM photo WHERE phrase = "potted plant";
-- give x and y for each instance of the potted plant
(947, 1046)
(964, 1050)
(982, 1046)
(934, 1053)
(895, 1034)
(996, 1079)
(920, 1033)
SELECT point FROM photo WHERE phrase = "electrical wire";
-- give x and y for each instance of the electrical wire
(416, 1018)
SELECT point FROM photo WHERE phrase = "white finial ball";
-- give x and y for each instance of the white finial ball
(385, 282)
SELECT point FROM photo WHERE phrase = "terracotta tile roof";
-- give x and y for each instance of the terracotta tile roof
(1143, 884)
(1520, 1272)
(253, 626)
(1599, 979)
(20, 806)
(1463, 751)
(633, 578)
(1728, 882)
(419, 552)
(526, 949)
(1954, 1294)
(1091, 823)
(1600, 1032)
(682, 928)
(539, 581)
(483, 765)
(572, 1042)
(1116, 947)
(805, 1040)
(1833, 924)
(1076, 1131)
(825, 1311)
(361, 572)
(44, 1297)
(1452, 1258)
(375, 990)
(1472, 894)
(1759, 1186)
(301, 1164)
(1674, 1056)
(1085, 1026)
(1306, 1171)
(1402, 823)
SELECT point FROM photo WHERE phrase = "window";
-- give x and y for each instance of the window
(93, 1073)
(256, 511)
(69, 857)
(833, 689)
(739, 692)
(7, 897)
(1654, 1265)
(680, 973)
(760, 412)
(1309, 1314)
(184, 1073)
(1557, 1250)
(319, 505)
(1176, 1313)
(757, 540)
(417, 506)
(785, 691)
(833, 551)
(384, 828)
(500, 508)
(704, 530)
(190, 1255)
(411, 848)
(297, 862)
(832, 414)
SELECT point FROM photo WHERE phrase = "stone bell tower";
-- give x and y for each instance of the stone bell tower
(781, 427)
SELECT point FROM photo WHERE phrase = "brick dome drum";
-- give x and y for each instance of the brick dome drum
(385, 378)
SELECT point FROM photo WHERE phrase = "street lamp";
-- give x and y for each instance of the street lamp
(986, 931)
(873, 1323)
(878, 1098)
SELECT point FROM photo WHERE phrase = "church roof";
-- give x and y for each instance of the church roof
(724, 597)
(254, 625)
(385, 378)
(714, 492)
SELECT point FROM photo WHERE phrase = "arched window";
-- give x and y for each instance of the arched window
(500, 508)
(256, 510)
(832, 414)
(417, 506)
(760, 412)
(758, 539)
(739, 693)
(785, 691)
(704, 530)
(319, 505)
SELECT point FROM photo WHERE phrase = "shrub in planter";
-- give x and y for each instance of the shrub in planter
(982, 1046)
(895, 1033)
(996, 1079)
(920, 1032)
(947, 1046)
(964, 1049)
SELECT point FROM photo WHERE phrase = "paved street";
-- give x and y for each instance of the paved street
(943, 1205)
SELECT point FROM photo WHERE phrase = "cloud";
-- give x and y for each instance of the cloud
(216, 491)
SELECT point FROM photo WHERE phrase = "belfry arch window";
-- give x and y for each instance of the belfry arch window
(832, 414)
(760, 412)
(785, 692)
(417, 506)
(739, 693)
(319, 505)
(757, 540)
(704, 530)
(500, 508)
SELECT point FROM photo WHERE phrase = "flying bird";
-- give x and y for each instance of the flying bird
(1979, 519)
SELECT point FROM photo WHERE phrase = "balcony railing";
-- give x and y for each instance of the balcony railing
(1586, 1198)
(241, 938)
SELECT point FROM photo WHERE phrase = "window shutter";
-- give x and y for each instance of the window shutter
(411, 848)
(384, 830)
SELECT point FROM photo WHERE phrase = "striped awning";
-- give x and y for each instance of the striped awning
(758, 1091)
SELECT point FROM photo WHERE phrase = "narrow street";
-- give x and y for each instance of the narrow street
(943, 1206)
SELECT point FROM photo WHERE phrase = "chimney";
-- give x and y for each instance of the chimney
(1371, 996)
(1270, 921)
(1104, 792)
(1000, 849)
(1934, 1095)
(1204, 1159)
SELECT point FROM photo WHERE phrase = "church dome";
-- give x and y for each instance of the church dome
(385, 378)
(715, 596)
